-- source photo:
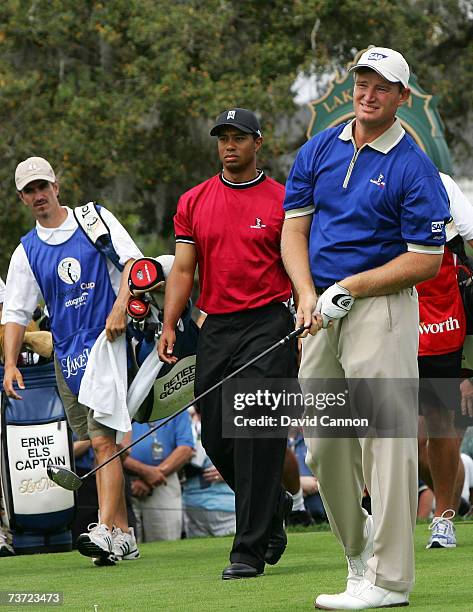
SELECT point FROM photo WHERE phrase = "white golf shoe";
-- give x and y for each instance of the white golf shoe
(124, 545)
(97, 543)
(364, 596)
(357, 565)
(443, 531)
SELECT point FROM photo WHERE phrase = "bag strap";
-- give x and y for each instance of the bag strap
(91, 222)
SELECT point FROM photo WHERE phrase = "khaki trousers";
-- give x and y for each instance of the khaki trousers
(377, 339)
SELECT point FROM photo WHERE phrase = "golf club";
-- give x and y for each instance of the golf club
(67, 479)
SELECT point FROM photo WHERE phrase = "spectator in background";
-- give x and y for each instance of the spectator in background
(312, 500)
(467, 490)
(156, 490)
(440, 357)
(208, 501)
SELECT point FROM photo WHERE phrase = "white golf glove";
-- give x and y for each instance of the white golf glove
(334, 303)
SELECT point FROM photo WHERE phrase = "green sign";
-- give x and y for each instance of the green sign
(419, 116)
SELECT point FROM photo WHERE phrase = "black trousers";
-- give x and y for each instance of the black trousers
(252, 467)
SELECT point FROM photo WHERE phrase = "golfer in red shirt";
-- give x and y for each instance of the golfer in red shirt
(230, 226)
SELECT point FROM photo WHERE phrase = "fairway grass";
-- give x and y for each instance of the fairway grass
(185, 576)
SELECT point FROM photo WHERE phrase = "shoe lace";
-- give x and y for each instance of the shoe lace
(443, 524)
(121, 539)
(99, 527)
(356, 565)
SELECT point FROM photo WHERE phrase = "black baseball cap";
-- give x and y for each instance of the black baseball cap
(240, 118)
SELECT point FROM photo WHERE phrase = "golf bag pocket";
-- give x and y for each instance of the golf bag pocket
(34, 434)
(174, 385)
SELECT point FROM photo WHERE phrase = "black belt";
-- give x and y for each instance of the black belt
(320, 290)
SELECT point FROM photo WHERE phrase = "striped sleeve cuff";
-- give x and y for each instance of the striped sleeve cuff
(425, 248)
(185, 239)
(299, 212)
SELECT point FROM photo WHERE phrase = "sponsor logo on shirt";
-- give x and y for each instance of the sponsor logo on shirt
(71, 365)
(449, 325)
(379, 181)
(76, 291)
(258, 224)
(437, 226)
(78, 301)
(69, 270)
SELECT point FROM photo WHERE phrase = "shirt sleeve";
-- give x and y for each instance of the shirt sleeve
(121, 239)
(22, 292)
(460, 207)
(424, 213)
(299, 198)
(2, 291)
(182, 222)
(183, 430)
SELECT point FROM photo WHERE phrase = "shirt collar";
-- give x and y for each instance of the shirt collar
(384, 143)
(46, 233)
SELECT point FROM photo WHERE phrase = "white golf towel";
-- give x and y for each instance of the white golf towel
(104, 384)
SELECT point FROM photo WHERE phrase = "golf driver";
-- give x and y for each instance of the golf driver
(67, 479)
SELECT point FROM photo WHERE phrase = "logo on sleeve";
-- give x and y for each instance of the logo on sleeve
(437, 226)
(69, 270)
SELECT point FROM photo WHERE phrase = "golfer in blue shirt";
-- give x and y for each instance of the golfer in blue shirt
(365, 215)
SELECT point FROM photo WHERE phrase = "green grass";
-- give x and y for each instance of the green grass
(185, 575)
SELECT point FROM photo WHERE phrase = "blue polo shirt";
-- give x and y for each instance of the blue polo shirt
(369, 205)
(178, 432)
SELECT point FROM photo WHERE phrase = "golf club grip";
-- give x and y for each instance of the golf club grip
(290, 336)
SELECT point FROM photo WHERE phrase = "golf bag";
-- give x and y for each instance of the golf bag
(174, 384)
(34, 434)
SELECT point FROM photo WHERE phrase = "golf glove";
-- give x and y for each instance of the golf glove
(334, 303)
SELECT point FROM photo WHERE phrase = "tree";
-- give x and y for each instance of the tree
(119, 96)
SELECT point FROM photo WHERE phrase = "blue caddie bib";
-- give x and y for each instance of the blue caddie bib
(76, 287)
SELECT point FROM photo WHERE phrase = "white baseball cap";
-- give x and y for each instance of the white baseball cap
(388, 63)
(33, 169)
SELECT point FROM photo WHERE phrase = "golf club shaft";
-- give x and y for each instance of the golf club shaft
(293, 334)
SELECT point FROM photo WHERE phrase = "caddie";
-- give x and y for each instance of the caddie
(365, 214)
(85, 294)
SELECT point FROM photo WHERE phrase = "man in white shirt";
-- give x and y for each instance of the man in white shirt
(84, 294)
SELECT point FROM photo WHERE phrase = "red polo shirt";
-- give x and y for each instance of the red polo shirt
(236, 229)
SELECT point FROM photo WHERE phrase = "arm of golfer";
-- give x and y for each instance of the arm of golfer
(403, 271)
(177, 292)
(115, 324)
(13, 339)
(295, 256)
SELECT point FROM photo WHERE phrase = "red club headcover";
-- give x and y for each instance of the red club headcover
(137, 308)
(146, 274)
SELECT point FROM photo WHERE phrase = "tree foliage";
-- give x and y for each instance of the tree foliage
(120, 95)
